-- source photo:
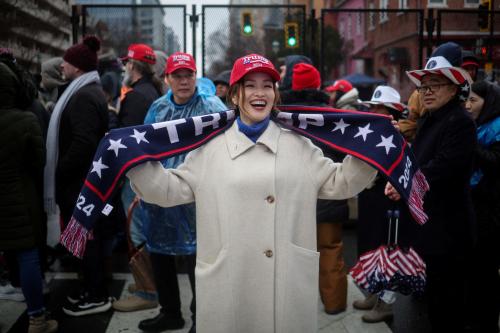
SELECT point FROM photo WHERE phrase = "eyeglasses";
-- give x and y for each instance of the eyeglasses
(432, 87)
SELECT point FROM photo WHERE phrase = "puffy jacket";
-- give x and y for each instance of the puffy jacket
(22, 158)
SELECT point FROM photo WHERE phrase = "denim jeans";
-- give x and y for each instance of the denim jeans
(30, 275)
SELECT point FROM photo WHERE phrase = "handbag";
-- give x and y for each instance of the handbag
(140, 262)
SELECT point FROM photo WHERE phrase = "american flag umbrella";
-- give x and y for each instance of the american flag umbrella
(390, 267)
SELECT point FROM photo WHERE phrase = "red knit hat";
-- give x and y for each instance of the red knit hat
(305, 76)
(252, 63)
(84, 55)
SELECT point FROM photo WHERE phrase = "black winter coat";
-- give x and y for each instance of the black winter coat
(486, 194)
(329, 211)
(22, 159)
(84, 122)
(136, 103)
(444, 148)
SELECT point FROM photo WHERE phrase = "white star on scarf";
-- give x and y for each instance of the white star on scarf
(116, 145)
(97, 166)
(364, 131)
(340, 125)
(386, 143)
(139, 136)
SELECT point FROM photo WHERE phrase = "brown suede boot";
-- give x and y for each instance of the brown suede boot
(40, 324)
(380, 312)
(332, 271)
(365, 304)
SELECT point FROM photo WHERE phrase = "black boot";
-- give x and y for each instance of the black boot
(162, 322)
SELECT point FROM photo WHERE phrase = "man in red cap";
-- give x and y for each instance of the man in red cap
(143, 89)
(145, 86)
(171, 232)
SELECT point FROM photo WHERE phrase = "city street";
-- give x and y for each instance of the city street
(410, 316)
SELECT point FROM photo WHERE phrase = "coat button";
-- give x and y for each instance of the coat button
(268, 253)
(270, 199)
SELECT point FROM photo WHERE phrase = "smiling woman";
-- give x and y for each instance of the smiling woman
(255, 188)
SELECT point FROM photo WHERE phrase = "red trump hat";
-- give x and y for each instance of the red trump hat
(180, 60)
(252, 63)
(141, 52)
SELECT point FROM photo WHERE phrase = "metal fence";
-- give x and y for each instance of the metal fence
(379, 43)
(463, 26)
(163, 27)
(224, 38)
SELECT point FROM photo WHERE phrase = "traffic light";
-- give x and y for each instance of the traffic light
(291, 35)
(246, 24)
(483, 16)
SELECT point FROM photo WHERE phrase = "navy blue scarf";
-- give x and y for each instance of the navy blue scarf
(367, 136)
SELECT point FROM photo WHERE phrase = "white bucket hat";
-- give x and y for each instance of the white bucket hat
(387, 96)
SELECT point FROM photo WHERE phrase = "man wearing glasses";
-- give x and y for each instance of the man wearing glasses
(171, 232)
(444, 147)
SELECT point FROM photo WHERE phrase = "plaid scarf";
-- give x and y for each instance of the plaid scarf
(369, 137)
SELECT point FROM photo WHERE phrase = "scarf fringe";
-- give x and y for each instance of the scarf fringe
(75, 237)
(419, 187)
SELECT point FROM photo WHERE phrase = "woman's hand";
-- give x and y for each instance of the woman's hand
(391, 192)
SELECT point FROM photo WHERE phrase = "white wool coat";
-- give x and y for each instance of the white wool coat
(257, 266)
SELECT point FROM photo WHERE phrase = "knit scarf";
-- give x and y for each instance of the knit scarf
(53, 138)
(367, 136)
(254, 131)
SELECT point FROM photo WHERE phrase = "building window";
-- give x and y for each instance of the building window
(403, 4)
(383, 15)
(371, 17)
(437, 3)
(358, 23)
(471, 3)
(349, 27)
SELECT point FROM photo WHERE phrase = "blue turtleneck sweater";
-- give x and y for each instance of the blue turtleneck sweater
(254, 131)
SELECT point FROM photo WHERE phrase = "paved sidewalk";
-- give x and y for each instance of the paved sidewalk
(117, 322)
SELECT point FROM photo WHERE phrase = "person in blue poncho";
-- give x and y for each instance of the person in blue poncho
(484, 106)
(171, 231)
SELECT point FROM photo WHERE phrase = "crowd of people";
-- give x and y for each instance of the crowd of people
(256, 214)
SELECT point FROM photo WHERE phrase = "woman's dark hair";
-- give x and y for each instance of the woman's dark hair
(480, 88)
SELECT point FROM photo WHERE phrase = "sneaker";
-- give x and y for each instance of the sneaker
(134, 303)
(40, 324)
(380, 312)
(366, 304)
(77, 296)
(8, 292)
(88, 306)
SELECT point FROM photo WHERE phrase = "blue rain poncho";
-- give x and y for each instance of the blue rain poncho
(172, 231)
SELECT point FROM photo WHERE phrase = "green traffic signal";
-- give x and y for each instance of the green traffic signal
(246, 24)
(291, 35)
